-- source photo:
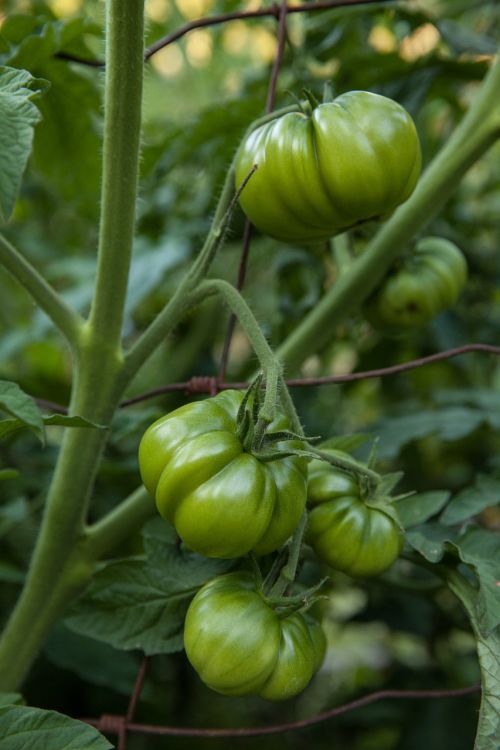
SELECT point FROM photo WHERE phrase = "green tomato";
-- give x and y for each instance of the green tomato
(343, 530)
(425, 283)
(239, 645)
(354, 159)
(222, 500)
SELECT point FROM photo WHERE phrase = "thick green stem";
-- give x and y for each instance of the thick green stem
(58, 568)
(477, 131)
(66, 320)
(122, 129)
(119, 524)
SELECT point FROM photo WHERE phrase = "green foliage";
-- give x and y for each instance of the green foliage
(141, 603)
(438, 426)
(24, 727)
(18, 116)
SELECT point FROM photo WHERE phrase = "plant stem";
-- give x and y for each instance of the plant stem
(66, 320)
(58, 567)
(246, 318)
(119, 524)
(477, 131)
(122, 130)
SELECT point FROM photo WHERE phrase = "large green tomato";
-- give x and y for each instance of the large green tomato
(239, 645)
(350, 161)
(344, 532)
(424, 284)
(222, 500)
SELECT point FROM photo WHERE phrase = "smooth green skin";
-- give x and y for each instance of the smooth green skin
(354, 159)
(427, 283)
(223, 501)
(238, 645)
(344, 532)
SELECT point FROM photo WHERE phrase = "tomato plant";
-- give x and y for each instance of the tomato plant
(239, 645)
(347, 531)
(426, 282)
(318, 174)
(222, 499)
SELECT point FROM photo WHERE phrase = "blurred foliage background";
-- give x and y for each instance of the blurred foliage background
(201, 92)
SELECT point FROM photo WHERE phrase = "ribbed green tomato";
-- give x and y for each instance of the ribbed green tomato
(239, 645)
(222, 500)
(424, 284)
(344, 532)
(354, 159)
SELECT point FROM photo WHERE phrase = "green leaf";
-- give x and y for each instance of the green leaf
(67, 147)
(27, 728)
(18, 117)
(62, 420)
(449, 424)
(488, 730)
(137, 603)
(481, 549)
(416, 509)
(472, 500)
(431, 540)
(21, 406)
(11, 699)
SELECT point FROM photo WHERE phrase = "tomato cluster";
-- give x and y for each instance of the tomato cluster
(225, 501)
(426, 282)
(239, 645)
(351, 160)
(222, 499)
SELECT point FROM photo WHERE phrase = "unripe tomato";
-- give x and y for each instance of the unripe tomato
(351, 160)
(239, 645)
(424, 284)
(222, 500)
(343, 530)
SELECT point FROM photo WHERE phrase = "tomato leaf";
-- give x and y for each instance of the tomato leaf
(18, 117)
(141, 603)
(23, 726)
(431, 540)
(21, 406)
(416, 509)
(480, 548)
(472, 500)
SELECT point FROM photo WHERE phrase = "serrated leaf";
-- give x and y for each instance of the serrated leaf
(419, 508)
(139, 603)
(18, 117)
(27, 728)
(481, 549)
(472, 500)
(430, 540)
(488, 730)
(21, 406)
